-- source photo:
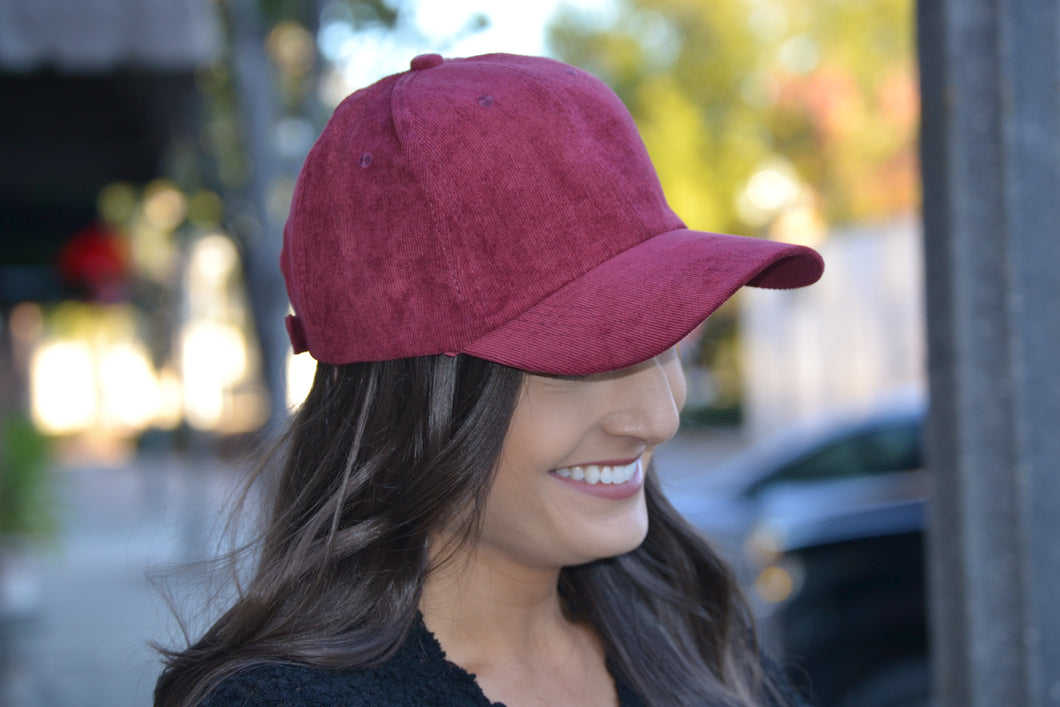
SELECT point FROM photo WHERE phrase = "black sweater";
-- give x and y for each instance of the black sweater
(418, 675)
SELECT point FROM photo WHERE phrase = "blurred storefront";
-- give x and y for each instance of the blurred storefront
(116, 278)
(96, 91)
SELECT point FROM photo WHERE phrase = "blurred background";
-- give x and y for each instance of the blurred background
(149, 150)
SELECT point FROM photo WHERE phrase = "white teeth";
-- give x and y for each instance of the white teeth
(595, 474)
(592, 474)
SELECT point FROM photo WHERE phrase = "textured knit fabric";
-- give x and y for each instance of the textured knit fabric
(503, 207)
(419, 675)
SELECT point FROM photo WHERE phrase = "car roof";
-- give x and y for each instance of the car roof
(743, 470)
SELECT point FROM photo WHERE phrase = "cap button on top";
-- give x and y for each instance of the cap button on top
(426, 61)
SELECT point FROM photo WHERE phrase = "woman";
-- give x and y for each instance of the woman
(481, 260)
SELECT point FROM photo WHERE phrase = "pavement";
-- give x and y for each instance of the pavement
(77, 616)
(79, 612)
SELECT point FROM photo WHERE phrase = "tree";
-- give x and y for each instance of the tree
(821, 93)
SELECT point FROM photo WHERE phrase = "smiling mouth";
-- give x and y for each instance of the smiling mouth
(594, 474)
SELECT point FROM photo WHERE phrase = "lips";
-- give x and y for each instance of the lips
(614, 481)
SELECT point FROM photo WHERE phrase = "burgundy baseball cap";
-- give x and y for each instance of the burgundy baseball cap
(505, 207)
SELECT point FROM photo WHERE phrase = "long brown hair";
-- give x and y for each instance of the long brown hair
(378, 456)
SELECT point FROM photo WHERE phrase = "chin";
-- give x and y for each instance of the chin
(625, 539)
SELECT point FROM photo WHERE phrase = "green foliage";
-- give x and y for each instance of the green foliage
(720, 89)
(26, 506)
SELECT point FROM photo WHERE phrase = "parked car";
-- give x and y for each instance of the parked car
(825, 524)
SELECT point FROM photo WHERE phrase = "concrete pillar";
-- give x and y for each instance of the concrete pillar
(990, 83)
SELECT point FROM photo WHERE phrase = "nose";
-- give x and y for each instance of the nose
(646, 401)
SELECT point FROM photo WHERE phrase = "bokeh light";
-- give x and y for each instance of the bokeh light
(63, 385)
(213, 360)
(205, 209)
(300, 371)
(164, 205)
(291, 48)
(116, 202)
(774, 584)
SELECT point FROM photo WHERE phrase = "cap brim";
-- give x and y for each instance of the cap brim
(643, 301)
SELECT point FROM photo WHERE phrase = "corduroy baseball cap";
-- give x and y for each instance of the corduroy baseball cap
(505, 207)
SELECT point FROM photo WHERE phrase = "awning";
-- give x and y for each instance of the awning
(94, 36)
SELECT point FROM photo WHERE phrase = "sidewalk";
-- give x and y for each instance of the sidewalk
(86, 642)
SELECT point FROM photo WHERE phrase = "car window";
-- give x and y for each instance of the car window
(877, 451)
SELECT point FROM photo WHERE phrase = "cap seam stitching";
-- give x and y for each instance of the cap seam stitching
(538, 81)
(448, 252)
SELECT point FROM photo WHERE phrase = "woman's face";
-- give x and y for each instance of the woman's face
(569, 482)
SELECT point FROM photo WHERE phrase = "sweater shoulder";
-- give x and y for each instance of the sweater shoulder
(286, 685)
(399, 683)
